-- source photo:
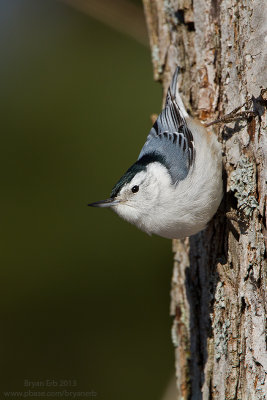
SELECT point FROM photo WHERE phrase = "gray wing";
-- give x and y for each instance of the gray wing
(170, 136)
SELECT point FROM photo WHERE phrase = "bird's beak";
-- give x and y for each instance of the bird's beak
(105, 203)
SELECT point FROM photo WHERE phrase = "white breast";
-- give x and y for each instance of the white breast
(185, 209)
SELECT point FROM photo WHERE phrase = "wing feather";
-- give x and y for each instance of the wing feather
(171, 137)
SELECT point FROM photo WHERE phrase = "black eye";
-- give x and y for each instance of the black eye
(135, 189)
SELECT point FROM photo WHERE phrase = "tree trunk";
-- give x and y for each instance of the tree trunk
(219, 277)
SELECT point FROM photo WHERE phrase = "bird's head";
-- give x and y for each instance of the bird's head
(139, 194)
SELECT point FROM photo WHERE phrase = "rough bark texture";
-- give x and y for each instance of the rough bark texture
(219, 277)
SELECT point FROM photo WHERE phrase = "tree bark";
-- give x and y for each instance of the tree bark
(219, 277)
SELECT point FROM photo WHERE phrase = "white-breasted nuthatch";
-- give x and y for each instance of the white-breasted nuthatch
(175, 186)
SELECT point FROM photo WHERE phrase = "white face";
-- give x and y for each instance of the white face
(142, 198)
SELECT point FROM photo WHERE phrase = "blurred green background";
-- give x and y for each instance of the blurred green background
(84, 295)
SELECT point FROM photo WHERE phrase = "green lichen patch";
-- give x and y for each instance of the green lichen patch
(220, 324)
(156, 59)
(169, 12)
(243, 183)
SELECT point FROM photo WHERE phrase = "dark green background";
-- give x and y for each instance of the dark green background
(84, 295)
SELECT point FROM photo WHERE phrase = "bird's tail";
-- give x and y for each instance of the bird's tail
(174, 96)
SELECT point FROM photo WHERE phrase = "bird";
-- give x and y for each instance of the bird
(175, 187)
